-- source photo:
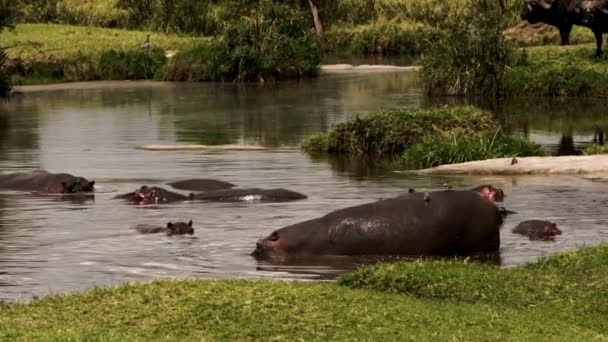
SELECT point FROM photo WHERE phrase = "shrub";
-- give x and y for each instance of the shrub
(393, 131)
(271, 44)
(595, 149)
(458, 147)
(471, 54)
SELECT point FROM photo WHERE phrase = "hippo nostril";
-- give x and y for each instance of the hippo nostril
(258, 245)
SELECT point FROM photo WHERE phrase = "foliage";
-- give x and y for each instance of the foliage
(558, 71)
(393, 131)
(563, 297)
(381, 36)
(271, 44)
(595, 149)
(471, 54)
(455, 147)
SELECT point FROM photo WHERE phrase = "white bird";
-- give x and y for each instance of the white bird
(146, 44)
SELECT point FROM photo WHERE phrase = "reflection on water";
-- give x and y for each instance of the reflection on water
(60, 244)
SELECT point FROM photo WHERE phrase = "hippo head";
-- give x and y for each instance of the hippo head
(77, 185)
(535, 11)
(146, 195)
(179, 228)
(273, 245)
(490, 192)
(551, 229)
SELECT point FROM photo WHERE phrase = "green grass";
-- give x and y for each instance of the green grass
(564, 297)
(380, 37)
(434, 150)
(393, 131)
(48, 41)
(558, 71)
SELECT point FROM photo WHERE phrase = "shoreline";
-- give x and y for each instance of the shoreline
(562, 165)
(327, 69)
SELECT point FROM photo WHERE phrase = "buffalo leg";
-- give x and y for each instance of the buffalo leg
(598, 42)
(564, 33)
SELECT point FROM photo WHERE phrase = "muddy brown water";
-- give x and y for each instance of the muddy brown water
(49, 245)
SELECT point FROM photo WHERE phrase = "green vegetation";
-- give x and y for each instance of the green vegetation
(451, 148)
(563, 297)
(270, 45)
(476, 64)
(595, 149)
(558, 71)
(568, 288)
(393, 131)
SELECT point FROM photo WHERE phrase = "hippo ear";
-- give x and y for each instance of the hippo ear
(170, 225)
(190, 223)
(92, 183)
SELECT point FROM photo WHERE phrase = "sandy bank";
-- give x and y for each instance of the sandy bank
(597, 164)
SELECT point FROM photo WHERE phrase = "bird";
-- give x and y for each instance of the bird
(513, 161)
(411, 190)
(146, 44)
(427, 198)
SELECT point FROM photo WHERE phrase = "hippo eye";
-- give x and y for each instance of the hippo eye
(274, 237)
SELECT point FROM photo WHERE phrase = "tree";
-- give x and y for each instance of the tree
(8, 10)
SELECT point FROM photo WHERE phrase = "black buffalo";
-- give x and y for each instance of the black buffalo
(594, 15)
(558, 13)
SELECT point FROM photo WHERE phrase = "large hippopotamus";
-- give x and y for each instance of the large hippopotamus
(450, 222)
(46, 182)
(172, 228)
(537, 229)
(157, 195)
(201, 184)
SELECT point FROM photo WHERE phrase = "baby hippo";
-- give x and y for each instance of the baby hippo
(537, 229)
(490, 192)
(177, 228)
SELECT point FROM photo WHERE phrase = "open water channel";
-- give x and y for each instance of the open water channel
(49, 245)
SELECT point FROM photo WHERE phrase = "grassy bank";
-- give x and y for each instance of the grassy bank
(563, 297)
(44, 53)
(558, 71)
(423, 137)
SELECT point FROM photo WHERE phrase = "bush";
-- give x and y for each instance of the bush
(5, 84)
(595, 149)
(393, 131)
(131, 64)
(382, 37)
(471, 54)
(271, 44)
(458, 148)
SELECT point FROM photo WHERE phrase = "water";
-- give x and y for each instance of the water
(49, 245)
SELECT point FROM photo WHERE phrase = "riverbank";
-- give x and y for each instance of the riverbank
(596, 164)
(561, 297)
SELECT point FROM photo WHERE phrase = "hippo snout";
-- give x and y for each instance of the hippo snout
(258, 245)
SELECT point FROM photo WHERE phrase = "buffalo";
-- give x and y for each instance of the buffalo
(558, 13)
(594, 15)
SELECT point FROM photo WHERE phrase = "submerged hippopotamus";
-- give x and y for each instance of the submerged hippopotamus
(46, 182)
(200, 184)
(450, 222)
(153, 195)
(157, 195)
(250, 195)
(537, 229)
(177, 228)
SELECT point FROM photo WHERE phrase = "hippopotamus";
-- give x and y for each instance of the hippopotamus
(449, 222)
(177, 228)
(46, 182)
(537, 229)
(200, 184)
(153, 195)
(157, 195)
(490, 192)
(250, 195)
